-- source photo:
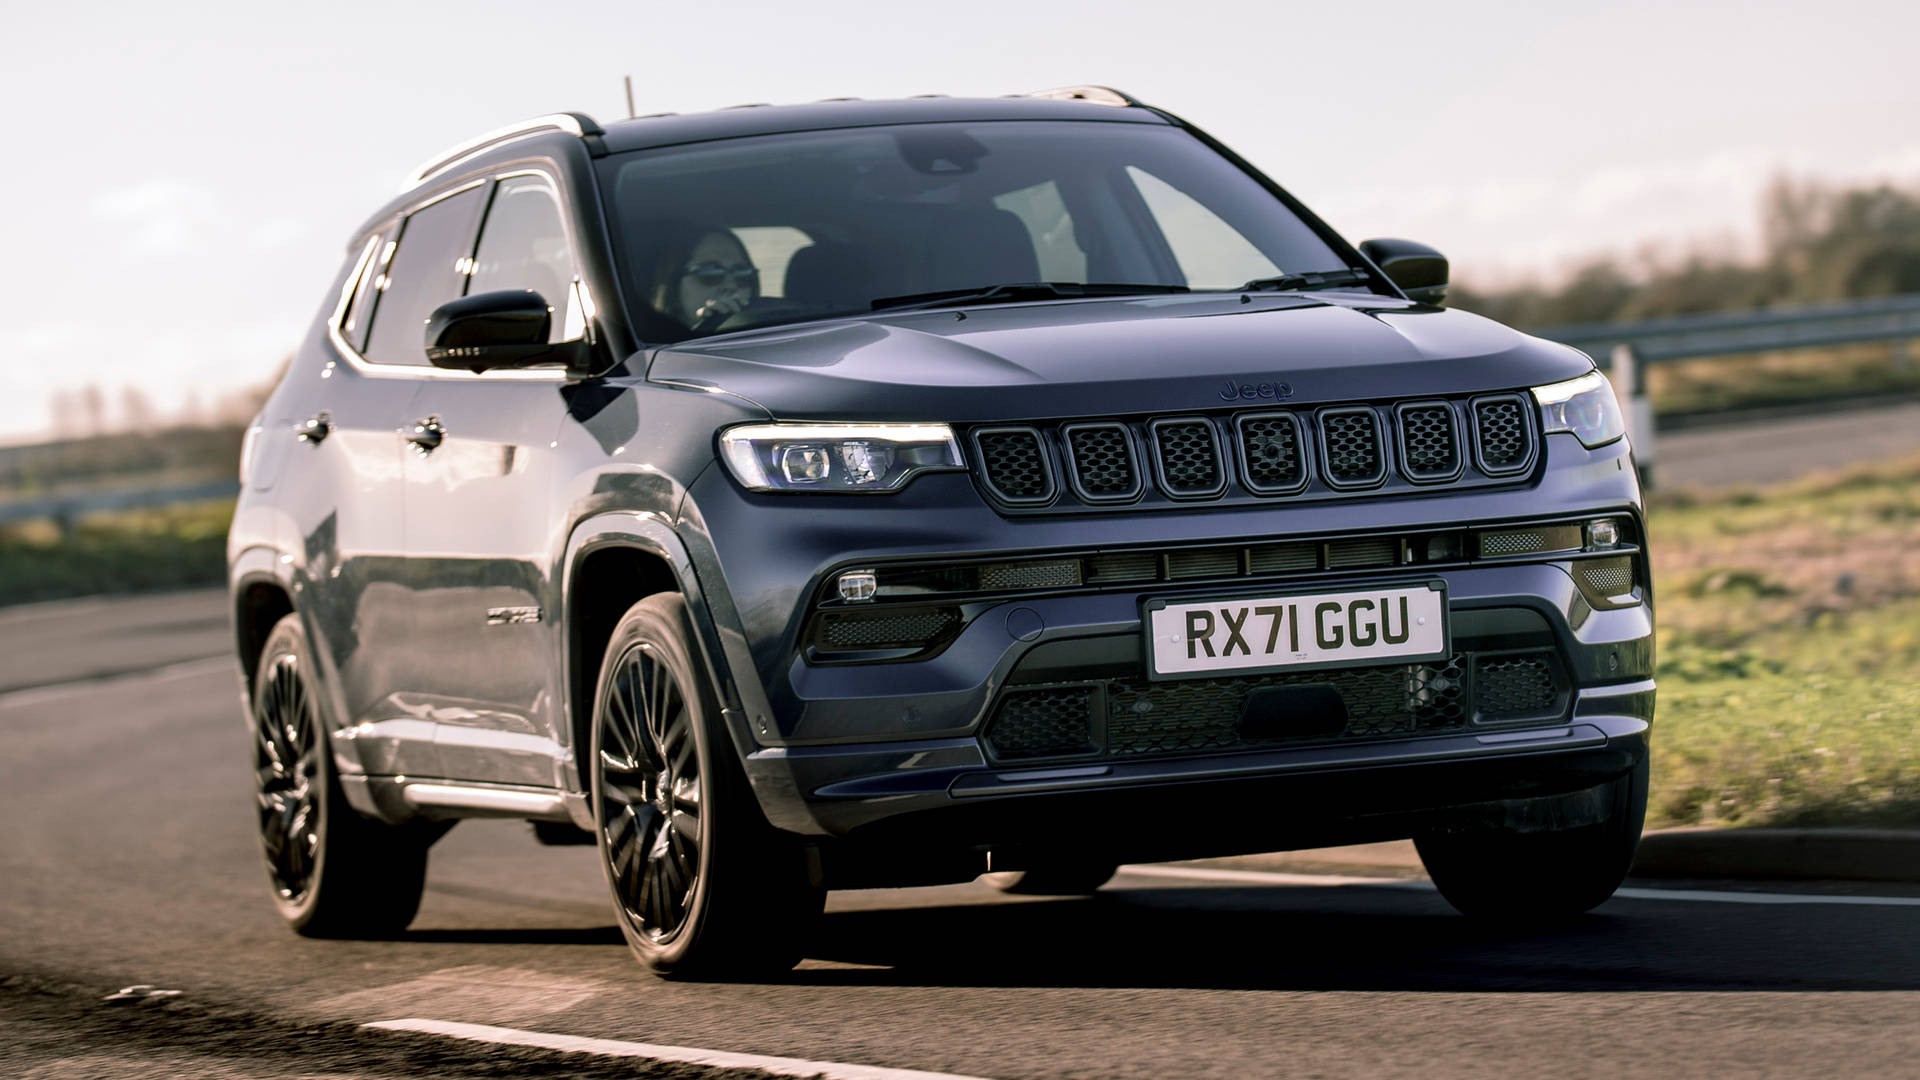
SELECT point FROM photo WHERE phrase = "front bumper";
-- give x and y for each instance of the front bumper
(872, 752)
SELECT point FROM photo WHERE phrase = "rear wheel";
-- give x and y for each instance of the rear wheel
(702, 886)
(1538, 876)
(1056, 879)
(333, 872)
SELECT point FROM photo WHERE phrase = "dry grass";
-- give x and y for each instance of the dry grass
(1790, 653)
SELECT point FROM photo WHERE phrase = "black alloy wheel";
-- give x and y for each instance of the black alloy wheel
(650, 794)
(702, 886)
(286, 766)
(333, 873)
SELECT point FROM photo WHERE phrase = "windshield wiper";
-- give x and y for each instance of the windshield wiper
(1014, 292)
(1316, 279)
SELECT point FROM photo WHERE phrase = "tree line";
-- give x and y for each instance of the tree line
(1818, 242)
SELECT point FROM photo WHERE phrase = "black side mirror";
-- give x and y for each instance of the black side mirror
(504, 329)
(1420, 271)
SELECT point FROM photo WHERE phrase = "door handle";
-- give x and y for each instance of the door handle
(314, 429)
(427, 433)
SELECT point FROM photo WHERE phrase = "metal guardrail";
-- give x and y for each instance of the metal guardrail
(1891, 318)
(65, 508)
(1626, 349)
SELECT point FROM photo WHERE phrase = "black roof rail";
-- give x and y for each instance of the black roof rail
(577, 124)
(1097, 95)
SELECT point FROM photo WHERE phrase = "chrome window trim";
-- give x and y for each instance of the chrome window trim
(543, 373)
(1400, 442)
(1073, 465)
(1301, 441)
(453, 156)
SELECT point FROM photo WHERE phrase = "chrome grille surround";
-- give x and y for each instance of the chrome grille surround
(1428, 441)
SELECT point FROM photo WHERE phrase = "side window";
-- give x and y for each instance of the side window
(373, 278)
(1211, 253)
(524, 246)
(1042, 211)
(425, 271)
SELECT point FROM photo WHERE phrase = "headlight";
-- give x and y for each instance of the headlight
(1584, 406)
(837, 457)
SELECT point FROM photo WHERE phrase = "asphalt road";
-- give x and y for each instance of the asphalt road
(1763, 451)
(129, 857)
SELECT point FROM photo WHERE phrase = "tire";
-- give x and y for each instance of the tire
(334, 873)
(1060, 879)
(702, 886)
(1541, 876)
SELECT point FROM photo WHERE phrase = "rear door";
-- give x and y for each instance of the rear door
(356, 449)
(481, 516)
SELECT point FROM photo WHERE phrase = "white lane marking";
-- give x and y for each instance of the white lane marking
(85, 684)
(1275, 877)
(1269, 877)
(719, 1059)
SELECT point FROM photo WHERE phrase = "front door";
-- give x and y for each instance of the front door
(481, 520)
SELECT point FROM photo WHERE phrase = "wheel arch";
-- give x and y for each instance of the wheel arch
(259, 599)
(614, 561)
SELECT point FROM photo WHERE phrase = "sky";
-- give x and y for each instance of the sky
(184, 177)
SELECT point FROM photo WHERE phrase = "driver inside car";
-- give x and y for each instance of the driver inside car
(702, 277)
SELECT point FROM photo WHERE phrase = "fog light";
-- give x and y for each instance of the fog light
(857, 585)
(1603, 534)
(804, 464)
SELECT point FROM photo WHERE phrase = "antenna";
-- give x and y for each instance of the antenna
(628, 79)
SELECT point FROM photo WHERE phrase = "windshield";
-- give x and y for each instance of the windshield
(775, 229)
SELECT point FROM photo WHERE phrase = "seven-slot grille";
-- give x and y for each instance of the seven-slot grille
(1332, 451)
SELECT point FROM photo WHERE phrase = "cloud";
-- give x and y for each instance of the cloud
(163, 216)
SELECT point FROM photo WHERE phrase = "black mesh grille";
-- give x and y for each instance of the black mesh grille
(1189, 459)
(1352, 441)
(1513, 542)
(1103, 461)
(1054, 722)
(1428, 441)
(1200, 564)
(1205, 714)
(1273, 558)
(1344, 554)
(1015, 464)
(1270, 446)
(1500, 430)
(1608, 577)
(1509, 687)
(1109, 568)
(1031, 575)
(884, 630)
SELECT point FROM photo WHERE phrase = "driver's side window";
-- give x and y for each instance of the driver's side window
(523, 245)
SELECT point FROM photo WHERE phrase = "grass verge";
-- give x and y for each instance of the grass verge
(129, 551)
(1790, 653)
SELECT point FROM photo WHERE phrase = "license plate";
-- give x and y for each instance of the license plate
(1296, 632)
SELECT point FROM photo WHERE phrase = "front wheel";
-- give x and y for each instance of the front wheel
(701, 884)
(1541, 876)
(334, 873)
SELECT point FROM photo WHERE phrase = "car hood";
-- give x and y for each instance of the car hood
(1116, 356)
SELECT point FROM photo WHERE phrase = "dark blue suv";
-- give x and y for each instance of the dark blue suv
(884, 493)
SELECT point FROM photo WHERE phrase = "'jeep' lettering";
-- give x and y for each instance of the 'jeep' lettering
(1274, 391)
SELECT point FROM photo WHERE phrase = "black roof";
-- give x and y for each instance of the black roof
(651, 131)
